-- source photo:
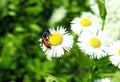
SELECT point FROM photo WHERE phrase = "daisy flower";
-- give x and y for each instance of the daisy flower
(59, 41)
(87, 21)
(115, 53)
(95, 44)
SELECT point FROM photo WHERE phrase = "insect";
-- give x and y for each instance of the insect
(45, 37)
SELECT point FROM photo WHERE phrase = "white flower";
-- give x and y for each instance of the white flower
(87, 21)
(59, 41)
(103, 80)
(94, 44)
(115, 53)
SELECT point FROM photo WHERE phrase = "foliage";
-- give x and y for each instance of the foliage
(21, 59)
(103, 12)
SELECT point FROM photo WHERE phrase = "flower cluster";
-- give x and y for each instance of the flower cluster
(92, 41)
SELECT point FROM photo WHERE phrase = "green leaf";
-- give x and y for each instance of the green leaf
(102, 10)
(3, 8)
(19, 28)
(35, 27)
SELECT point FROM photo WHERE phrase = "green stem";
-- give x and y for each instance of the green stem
(103, 24)
(104, 18)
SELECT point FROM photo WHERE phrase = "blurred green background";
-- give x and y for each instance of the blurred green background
(22, 60)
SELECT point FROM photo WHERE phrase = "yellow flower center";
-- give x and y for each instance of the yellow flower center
(119, 51)
(85, 22)
(55, 39)
(95, 42)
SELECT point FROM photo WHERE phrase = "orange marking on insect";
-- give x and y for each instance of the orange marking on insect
(45, 37)
(46, 43)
